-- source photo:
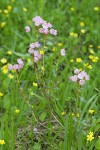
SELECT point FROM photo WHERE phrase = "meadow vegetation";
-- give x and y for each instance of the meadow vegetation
(50, 75)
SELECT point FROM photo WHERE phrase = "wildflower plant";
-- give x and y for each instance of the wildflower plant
(42, 105)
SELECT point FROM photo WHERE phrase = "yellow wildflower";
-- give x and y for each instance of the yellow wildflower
(72, 9)
(9, 53)
(86, 64)
(91, 56)
(63, 113)
(5, 11)
(91, 51)
(82, 24)
(28, 60)
(17, 111)
(77, 115)
(59, 44)
(98, 47)
(96, 8)
(13, 1)
(42, 68)
(89, 67)
(5, 69)
(2, 142)
(1, 94)
(90, 136)
(75, 35)
(78, 59)
(73, 114)
(54, 49)
(72, 60)
(94, 60)
(9, 7)
(90, 45)
(42, 52)
(91, 111)
(25, 9)
(35, 84)
(11, 76)
(2, 24)
(3, 60)
(83, 31)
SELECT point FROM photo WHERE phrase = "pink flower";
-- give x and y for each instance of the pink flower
(37, 56)
(81, 82)
(16, 66)
(87, 77)
(10, 67)
(27, 29)
(37, 20)
(62, 52)
(44, 31)
(34, 45)
(73, 78)
(76, 71)
(31, 51)
(54, 32)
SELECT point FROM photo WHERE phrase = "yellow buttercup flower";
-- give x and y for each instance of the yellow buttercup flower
(9, 7)
(35, 84)
(91, 46)
(94, 60)
(89, 67)
(2, 142)
(91, 56)
(72, 60)
(98, 47)
(54, 49)
(86, 64)
(78, 115)
(78, 59)
(91, 51)
(9, 53)
(91, 111)
(5, 69)
(1, 94)
(11, 76)
(82, 24)
(17, 111)
(73, 34)
(63, 113)
(59, 44)
(2, 24)
(5, 11)
(25, 9)
(96, 8)
(42, 68)
(42, 52)
(83, 31)
(3, 60)
(90, 136)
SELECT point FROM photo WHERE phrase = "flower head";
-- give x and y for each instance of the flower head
(2, 142)
(27, 29)
(90, 136)
(62, 52)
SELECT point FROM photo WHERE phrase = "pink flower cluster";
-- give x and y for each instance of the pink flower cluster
(36, 54)
(62, 52)
(80, 77)
(46, 27)
(16, 66)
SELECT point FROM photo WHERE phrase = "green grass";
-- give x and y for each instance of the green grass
(55, 114)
